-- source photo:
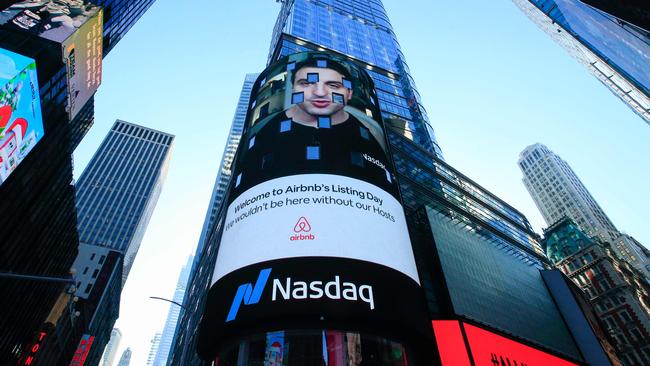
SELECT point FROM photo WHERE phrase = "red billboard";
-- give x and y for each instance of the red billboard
(459, 342)
(82, 350)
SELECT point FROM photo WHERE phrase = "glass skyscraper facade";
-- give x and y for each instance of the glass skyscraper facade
(119, 189)
(361, 30)
(38, 229)
(199, 278)
(559, 193)
(472, 248)
(615, 51)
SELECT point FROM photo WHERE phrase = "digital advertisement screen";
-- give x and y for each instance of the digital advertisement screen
(81, 353)
(82, 54)
(486, 348)
(21, 122)
(314, 227)
(77, 26)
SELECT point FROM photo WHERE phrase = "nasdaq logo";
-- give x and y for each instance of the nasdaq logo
(248, 294)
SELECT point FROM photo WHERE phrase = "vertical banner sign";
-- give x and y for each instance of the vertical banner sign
(314, 234)
(81, 353)
(78, 26)
(21, 122)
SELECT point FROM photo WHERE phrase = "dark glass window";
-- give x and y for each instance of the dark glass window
(267, 160)
(356, 159)
(264, 110)
(85, 270)
(92, 256)
(364, 132)
(87, 290)
(95, 273)
(101, 259)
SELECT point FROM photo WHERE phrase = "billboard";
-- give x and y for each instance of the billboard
(21, 122)
(77, 26)
(315, 232)
(455, 339)
(80, 355)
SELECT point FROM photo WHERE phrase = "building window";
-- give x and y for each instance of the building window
(85, 270)
(364, 132)
(95, 273)
(313, 152)
(101, 259)
(285, 125)
(625, 316)
(356, 159)
(87, 290)
(92, 256)
(267, 160)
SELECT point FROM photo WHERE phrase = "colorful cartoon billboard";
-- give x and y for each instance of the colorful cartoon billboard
(315, 233)
(21, 122)
(78, 26)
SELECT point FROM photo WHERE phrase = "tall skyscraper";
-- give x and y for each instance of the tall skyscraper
(119, 189)
(478, 260)
(558, 193)
(172, 316)
(618, 293)
(225, 174)
(125, 359)
(203, 258)
(40, 193)
(108, 358)
(153, 351)
(614, 50)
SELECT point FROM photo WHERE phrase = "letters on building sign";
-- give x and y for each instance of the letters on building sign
(33, 350)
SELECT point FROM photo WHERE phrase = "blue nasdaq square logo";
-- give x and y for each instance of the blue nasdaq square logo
(248, 294)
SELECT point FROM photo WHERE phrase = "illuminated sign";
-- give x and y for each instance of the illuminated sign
(77, 26)
(21, 122)
(486, 348)
(82, 54)
(82, 350)
(35, 346)
(314, 229)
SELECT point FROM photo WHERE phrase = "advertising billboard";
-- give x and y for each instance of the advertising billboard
(81, 353)
(21, 122)
(77, 26)
(455, 339)
(315, 233)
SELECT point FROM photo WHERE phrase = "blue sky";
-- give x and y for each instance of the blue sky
(491, 81)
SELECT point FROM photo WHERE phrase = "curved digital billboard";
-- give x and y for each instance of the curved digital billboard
(315, 234)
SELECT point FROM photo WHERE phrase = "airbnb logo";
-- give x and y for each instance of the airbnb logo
(302, 226)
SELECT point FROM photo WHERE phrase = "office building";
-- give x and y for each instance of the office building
(125, 359)
(613, 49)
(119, 189)
(155, 346)
(485, 250)
(618, 293)
(558, 192)
(224, 174)
(110, 352)
(39, 192)
(201, 259)
(167, 338)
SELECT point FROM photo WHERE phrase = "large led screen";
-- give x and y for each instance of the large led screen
(21, 122)
(77, 26)
(314, 231)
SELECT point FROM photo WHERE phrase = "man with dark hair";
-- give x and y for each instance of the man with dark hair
(318, 133)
